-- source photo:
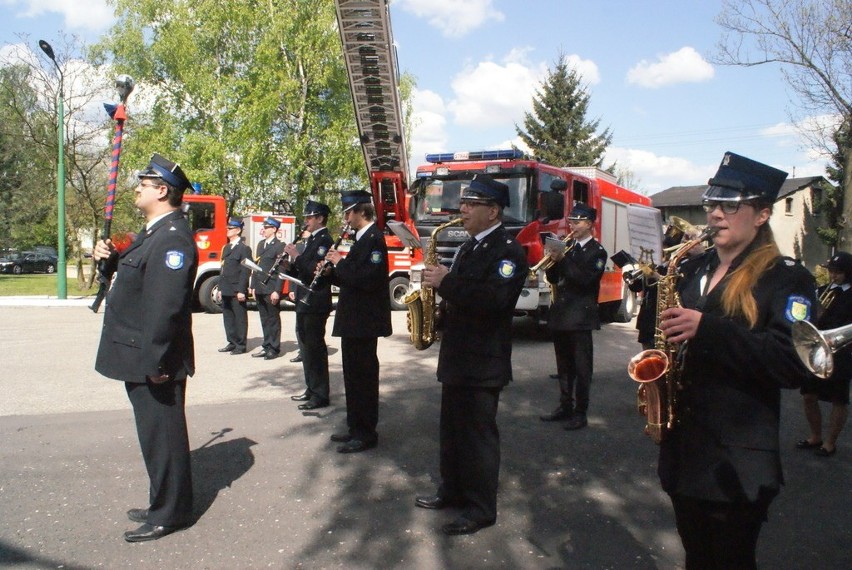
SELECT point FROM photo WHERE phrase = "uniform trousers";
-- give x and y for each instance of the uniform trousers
(270, 322)
(310, 332)
(718, 535)
(161, 427)
(235, 315)
(470, 450)
(574, 362)
(361, 382)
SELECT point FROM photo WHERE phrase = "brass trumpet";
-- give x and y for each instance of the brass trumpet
(547, 262)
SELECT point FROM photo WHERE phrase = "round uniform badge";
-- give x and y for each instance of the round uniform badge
(174, 259)
(506, 269)
(376, 257)
(798, 308)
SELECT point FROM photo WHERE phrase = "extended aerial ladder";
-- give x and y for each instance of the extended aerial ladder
(371, 64)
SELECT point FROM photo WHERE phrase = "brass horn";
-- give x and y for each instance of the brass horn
(816, 348)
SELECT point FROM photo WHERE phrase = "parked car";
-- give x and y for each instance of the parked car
(28, 262)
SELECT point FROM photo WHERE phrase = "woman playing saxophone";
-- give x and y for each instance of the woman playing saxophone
(720, 462)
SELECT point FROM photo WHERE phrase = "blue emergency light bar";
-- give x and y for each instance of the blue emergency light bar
(507, 154)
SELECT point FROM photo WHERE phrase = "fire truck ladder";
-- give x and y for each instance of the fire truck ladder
(371, 64)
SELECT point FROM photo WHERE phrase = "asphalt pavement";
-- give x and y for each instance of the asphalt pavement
(271, 492)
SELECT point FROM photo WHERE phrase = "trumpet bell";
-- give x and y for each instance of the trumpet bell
(648, 366)
(816, 348)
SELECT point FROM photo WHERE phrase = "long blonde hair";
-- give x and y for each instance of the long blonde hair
(738, 299)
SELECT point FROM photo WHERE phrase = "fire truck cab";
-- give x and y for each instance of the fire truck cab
(535, 213)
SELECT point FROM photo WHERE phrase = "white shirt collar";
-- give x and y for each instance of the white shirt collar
(484, 233)
(363, 230)
(151, 223)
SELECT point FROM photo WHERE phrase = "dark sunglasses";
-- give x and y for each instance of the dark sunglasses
(727, 207)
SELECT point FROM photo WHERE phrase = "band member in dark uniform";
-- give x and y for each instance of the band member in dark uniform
(311, 317)
(268, 295)
(836, 304)
(574, 315)
(721, 463)
(363, 315)
(478, 295)
(147, 343)
(233, 288)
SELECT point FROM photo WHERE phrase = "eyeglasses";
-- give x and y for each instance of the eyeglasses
(149, 185)
(727, 207)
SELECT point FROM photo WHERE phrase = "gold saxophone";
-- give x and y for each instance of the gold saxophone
(658, 370)
(421, 303)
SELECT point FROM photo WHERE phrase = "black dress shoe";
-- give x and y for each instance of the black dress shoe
(138, 515)
(313, 405)
(304, 397)
(823, 452)
(228, 348)
(271, 356)
(555, 376)
(238, 351)
(260, 354)
(297, 358)
(435, 502)
(463, 525)
(357, 446)
(805, 444)
(576, 422)
(340, 437)
(557, 415)
(148, 532)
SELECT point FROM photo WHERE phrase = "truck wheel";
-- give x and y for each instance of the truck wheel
(625, 311)
(207, 295)
(398, 288)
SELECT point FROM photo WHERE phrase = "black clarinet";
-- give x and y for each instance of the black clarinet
(318, 274)
(281, 260)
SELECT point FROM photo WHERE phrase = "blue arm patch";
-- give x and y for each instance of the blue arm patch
(798, 308)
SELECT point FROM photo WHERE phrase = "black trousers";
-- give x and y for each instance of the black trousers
(235, 315)
(270, 322)
(470, 450)
(361, 382)
(310, 331)
(161, 427)
(719, 535)
(574, 364)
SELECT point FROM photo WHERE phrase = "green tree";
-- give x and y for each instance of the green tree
(810, 41)
(831, 203)
(251, 97)
(557, 131)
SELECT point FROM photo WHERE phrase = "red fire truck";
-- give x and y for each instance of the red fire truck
(536, 212)
(208, 219)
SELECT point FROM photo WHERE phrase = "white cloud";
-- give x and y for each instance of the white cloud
(429, 126)
(659, 172)
(452, 17)
(683, 66)
(93, 15)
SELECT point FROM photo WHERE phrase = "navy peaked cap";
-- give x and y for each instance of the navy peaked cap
(583, 212)
(740, 178)
(313, 208)
(161, 167)
(483, 188)
(352, 198)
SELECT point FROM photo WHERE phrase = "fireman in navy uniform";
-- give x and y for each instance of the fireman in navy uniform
(478, 295)
(836, 300)
(268, 295)
(721, 463)
(233, 288)
(574, 315)
(311, 317)
(363, 315)
(147, 343)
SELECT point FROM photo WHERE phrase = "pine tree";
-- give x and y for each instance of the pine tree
(557, 130)
(831, 203)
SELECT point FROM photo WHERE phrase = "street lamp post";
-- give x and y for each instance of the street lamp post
(61, 268)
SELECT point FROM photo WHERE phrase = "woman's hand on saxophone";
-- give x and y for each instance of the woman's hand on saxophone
(433, 275)
(679, 324)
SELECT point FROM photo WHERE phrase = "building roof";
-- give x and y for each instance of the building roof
(691, 195)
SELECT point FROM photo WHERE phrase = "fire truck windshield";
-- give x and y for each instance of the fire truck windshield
(436, 198)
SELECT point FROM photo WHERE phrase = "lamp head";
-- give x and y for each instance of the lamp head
(124, 84)
(47, 49)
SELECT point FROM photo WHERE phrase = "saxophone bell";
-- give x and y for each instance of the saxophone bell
(648, 366)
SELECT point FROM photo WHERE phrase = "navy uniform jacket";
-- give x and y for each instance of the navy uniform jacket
(363, 306)
(147, 328)
(265, 257)
(235, 276)
(478, 301)
(838, 314)
(725, 447)
(304, 268)
(577, 277)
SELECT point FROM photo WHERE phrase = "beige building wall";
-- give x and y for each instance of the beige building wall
(794, 223)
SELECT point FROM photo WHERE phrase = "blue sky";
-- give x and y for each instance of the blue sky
(478, 62)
